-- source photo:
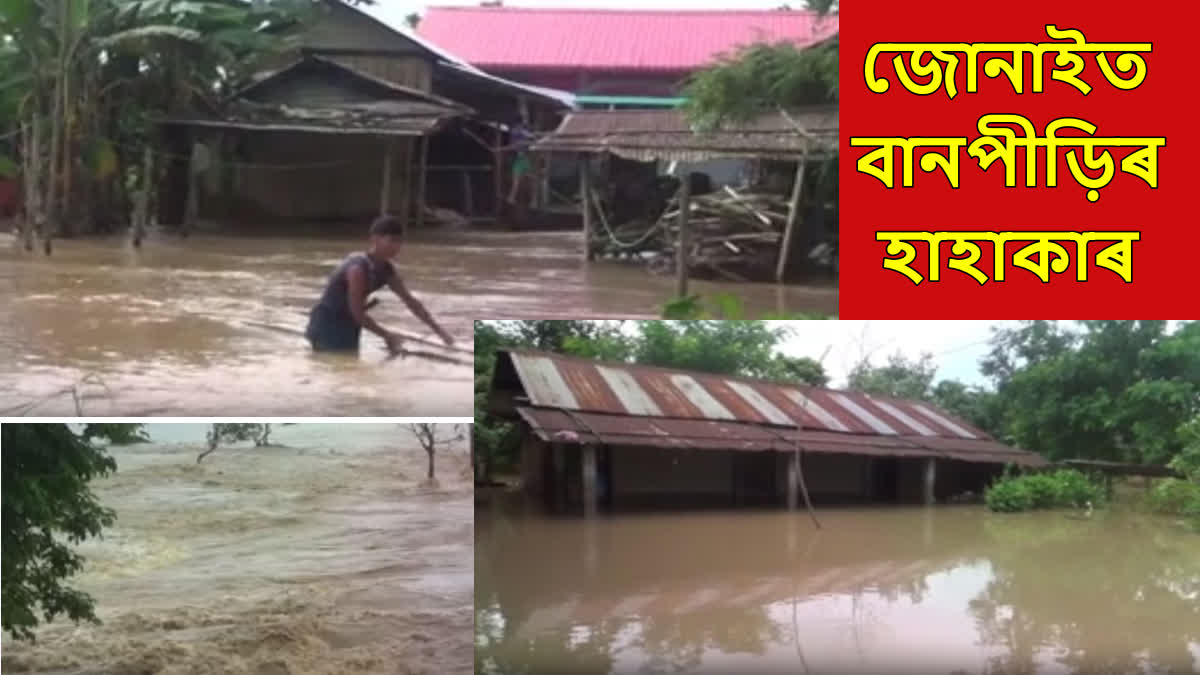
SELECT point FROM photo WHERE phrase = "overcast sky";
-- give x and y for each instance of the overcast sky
(396, 10)
(957, 346)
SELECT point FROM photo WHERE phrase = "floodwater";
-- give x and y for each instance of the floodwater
(328, 556)
(212, 324)
(946, 590)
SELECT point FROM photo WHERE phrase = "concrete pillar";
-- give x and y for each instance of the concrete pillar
(590, 493)
(793, 481)
(929, 481)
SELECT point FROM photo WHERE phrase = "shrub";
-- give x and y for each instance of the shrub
(1059, 489)
(1175, 496)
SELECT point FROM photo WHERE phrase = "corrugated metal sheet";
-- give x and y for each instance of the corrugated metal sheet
(574, 400)
(610, 39)
(557, 381)
(648, 135)
(558, 426)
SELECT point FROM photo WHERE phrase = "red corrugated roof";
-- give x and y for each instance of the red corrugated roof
(606, 39)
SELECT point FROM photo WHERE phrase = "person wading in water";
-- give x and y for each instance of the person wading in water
(336, 322)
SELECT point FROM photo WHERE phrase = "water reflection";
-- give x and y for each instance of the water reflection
(886, 590)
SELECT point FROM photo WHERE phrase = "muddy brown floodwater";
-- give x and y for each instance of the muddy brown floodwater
(184, 327)
(947, 590)
(324, 557)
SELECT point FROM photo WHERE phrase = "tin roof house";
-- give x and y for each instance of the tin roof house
(362, 117)
(617, 435)
(612, 57)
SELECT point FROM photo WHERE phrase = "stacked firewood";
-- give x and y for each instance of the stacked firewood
(729, 230)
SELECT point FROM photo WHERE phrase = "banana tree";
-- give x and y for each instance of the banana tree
(92, 75)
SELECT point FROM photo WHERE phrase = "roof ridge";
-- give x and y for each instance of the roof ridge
(618, 10)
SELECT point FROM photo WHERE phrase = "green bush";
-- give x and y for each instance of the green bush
(1175, 496)
(1060, 489)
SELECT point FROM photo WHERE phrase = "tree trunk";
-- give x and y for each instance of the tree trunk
(65, 227)
(33, 179)
(56, 132)
(430, 452)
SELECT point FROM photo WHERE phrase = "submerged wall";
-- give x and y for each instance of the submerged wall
(633, 477)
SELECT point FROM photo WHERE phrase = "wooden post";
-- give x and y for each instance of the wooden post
(385, 186)
(191, 211)
(793, 480)
(468, 197)
(789, 232)
(143, 204)
(423, 168)
(585, 189)
(406, 195)
(590, 494)
(930, 480)
(685, 240)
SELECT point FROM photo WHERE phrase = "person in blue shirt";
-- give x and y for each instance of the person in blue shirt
(336, 322)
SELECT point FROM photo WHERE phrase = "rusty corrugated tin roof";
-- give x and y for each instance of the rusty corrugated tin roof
(558, 381)
(575, 400)
(647, 135)
(558, 426)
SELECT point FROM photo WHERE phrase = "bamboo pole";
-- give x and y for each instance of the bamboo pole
(498, 172)
(585, 188)
(789, 232)
(684, 242)
(421, 181)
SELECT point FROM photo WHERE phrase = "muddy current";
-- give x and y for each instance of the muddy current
(940, 591)
(213, 323)
(327, 555)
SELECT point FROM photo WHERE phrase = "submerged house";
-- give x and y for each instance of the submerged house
(362, 118)
(614, 435)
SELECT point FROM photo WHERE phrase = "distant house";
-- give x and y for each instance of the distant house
(362, 117)
(617, 435)
(623, 58)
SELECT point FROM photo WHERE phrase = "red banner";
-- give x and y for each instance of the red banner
(962, 198)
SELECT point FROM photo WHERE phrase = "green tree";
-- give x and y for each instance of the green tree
(85, 79)
(901, 377)
(764, 78)
(1114, 390)
(745, 348)
(976, 405)
(224, 433)
(47, 509)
